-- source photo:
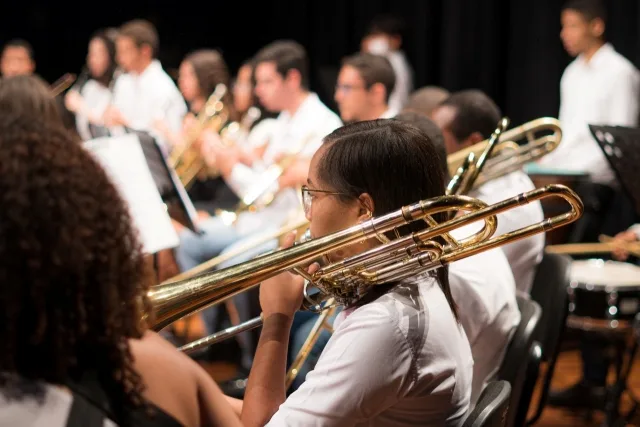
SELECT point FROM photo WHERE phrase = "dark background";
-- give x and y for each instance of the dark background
(509, 48)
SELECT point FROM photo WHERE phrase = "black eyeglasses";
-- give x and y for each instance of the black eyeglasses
(307, 197)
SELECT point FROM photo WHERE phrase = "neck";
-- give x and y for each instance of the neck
(375, 112)
(197, 104)
(143, 66)
(296, 100)
(588, 54)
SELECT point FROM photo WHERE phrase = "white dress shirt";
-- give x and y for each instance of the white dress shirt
(401, 360)
(484, 289)
(603, 91)
(524, 255)
(306, 128)
(96, 99)
(152, 95)
(404, 79)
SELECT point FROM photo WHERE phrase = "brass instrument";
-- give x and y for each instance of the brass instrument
(347, 280)
(62, 84)
(508, 156)
(467, 175)
(187, 159)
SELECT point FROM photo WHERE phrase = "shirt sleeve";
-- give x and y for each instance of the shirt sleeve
(365, 368)
(636, 229)
(623, 108)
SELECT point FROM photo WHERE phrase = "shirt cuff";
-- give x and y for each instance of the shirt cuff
(636, 229)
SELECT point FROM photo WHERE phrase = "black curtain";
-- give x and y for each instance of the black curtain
(509, 48)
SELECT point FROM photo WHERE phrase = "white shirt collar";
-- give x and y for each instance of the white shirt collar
(599, 58)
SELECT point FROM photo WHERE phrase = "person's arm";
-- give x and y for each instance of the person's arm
(280, 298)
(624, 96)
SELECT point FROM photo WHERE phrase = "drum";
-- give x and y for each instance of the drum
(603, 294)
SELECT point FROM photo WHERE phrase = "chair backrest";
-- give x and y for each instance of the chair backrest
(515, 364)
(549, 290)
(491, 407)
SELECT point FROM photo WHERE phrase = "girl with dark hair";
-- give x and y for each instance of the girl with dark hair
(74, 348)
(398, 356)
(91, 95)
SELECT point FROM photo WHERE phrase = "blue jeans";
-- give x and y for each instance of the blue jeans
(218, 238)
(303, 323)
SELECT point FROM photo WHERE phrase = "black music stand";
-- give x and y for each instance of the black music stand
(173, 193)
(621, 147)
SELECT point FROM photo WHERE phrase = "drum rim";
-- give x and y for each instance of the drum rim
(608, 287)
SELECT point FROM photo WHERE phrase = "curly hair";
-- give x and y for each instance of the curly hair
(74, 278)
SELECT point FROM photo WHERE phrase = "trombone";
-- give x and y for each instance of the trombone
(507, 155)
(349, 279)
(187, 159)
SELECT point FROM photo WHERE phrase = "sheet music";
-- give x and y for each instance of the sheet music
(124, 162)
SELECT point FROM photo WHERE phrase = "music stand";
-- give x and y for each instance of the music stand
(170, 187)
(621, 147)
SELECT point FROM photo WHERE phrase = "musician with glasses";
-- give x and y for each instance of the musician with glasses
(398, 355)
(364, 86)
(75, 350)
(466, 118)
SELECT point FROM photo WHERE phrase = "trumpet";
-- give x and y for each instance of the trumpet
(187, 159)
(507, 155)
(348, 280)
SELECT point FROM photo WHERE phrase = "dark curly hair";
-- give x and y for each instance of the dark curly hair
(74, 279)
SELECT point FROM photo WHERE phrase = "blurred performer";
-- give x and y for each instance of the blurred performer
(426, 99)
(600, 87)
(145, 94)
(75, 348)
(282, 85)
(89, 98)
(384, 37)
(398, 355)
(17, 59)
(466, 118)
(364, 85)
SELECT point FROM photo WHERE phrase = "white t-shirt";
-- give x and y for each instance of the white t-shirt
(524, 255)
(152, 95)
(484, 290)
(603, 91)
(401, 360)
(307, 127)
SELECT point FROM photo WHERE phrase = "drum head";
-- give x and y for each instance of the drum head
(597, 274)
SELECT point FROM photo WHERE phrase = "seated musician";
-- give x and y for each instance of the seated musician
(364, 85)
(75, 349)
(282, 84)
(145, 93)
(88, 99)
(483, 287)
(398, 355)
(466, 118)
(17, 59)
(200, 73)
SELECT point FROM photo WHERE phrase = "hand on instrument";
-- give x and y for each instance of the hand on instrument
(216, 154)
(283, 293)
(74, 101)
(619, 241)
(113, 117)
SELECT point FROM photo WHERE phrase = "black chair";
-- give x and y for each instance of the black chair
(491, 407)
(549, 290)
(513, 369)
